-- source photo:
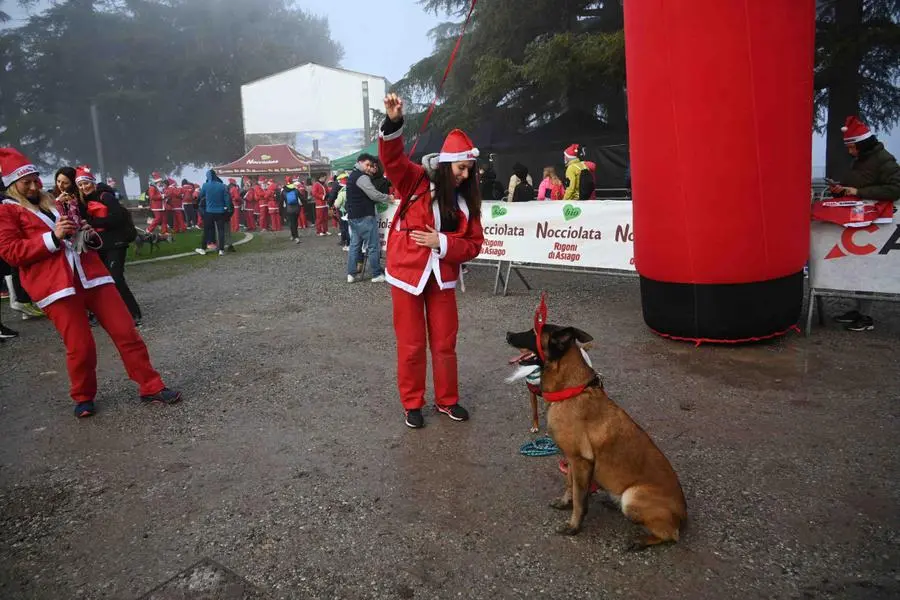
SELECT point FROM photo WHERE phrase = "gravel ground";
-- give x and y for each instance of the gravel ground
(288, 473)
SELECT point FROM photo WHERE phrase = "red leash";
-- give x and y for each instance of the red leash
(440, 87)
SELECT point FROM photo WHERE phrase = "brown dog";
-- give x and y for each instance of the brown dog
(600, 441)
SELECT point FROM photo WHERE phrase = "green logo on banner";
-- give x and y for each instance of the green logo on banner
(571, 212)
(497, 211)
(381, 207)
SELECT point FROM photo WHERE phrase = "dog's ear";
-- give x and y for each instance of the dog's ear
(560, 341)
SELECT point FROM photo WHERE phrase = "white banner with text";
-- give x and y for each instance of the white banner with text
(856, 259)
(590, 233)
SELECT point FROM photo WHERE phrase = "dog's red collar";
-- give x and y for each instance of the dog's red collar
(570, 393)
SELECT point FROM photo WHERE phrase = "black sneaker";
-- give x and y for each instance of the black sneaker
(414, 419)
(848, 317)
(863, 323)
(6, 333)
(454, 411)
(84, 410)
(164, 396)
(93, 321)
(138, 322)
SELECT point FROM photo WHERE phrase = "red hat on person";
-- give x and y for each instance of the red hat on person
(110, 182)
(156, 177)
(855, 131)
(232, 180)
(83, 173)
(571, 153)
(14, 165)
(289, 179)
(457, 147)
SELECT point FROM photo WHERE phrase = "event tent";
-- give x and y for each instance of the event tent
(345, 163)
(278, 159)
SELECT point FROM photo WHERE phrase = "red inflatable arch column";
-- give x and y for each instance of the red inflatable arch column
(720, 102)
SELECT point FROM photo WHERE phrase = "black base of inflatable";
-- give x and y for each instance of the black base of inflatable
(743, 312)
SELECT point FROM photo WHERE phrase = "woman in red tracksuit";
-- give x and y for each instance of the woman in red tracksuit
(436, 229)
(66, 284)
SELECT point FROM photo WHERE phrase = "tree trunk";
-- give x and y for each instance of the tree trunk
(844, 84)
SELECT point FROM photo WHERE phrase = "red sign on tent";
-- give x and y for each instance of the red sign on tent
(271, 160)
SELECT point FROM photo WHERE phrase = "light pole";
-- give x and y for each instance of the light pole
(99, 145)
(366, 116)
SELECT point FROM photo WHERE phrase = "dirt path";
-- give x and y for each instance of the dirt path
(289, 473)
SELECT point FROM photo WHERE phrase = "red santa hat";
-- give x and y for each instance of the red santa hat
(83, 173)
(14, 165)
(855, 131)
(288, 179)
(232, 180)
(110, 182)
(156, 177)
(571, 153)
(457, 147)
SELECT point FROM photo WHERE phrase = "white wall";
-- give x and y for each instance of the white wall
(308, 98)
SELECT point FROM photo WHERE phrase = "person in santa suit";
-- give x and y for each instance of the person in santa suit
(250, 209)
(318, 194)
(157, 205)
(236, 201)
(68, 281)
(304, 203)
(436, 228)
(262, 210)
(174, 199)
(272, 202)
(187, 204)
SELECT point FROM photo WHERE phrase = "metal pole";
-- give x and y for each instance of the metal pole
(366, 115)
(97, 142)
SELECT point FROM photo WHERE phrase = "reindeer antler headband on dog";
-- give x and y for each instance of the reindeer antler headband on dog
(540, 319)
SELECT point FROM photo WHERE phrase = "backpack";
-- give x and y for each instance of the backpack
(524, 192)
(586, 184)
(291, 197)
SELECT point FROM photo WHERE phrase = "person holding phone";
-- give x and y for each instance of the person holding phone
(67, 283)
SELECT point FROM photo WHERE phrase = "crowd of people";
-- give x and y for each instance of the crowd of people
(579, 183)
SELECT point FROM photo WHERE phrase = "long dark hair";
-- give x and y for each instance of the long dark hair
(69, 172)
(445, 192)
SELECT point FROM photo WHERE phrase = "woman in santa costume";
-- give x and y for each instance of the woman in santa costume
(157, 205)
(67, 281)
(436, 228)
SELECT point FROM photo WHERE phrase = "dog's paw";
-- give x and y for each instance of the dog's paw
(561, 504)
(567, 529)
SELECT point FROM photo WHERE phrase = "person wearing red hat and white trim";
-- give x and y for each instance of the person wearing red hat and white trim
(157, 205)
(436, 229)
(575, 170)
(865, 196)
(174, 202)
(236, 202)
(35, 237)
(272, 202)
(187, 204)
(318, 193)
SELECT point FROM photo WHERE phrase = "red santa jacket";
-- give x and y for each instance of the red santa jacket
(48, 272)
(250, 200)
(409, 266)
(156, 199)
(174, 197)
(271, 197)
(235, 197)
(187, 194)
(318, 194)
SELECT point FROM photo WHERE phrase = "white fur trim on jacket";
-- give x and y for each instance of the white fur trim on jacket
(48, 242)
(858, 138)
(391, 136)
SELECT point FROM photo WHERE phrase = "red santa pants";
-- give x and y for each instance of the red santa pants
(236, 221)
(159, 218)
(248, 218)
(321, 219)
(179, 221)
(263, 217)
(69, 316)
(434, 309)
(274, 218)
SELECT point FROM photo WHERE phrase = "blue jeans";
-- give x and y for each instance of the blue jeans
(365, 230)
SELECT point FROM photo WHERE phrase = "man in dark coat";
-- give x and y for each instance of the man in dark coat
(874, 175)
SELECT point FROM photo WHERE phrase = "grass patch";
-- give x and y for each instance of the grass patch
(184, 242)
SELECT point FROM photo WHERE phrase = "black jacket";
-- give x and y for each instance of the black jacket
(116, 227)
(875, 174)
